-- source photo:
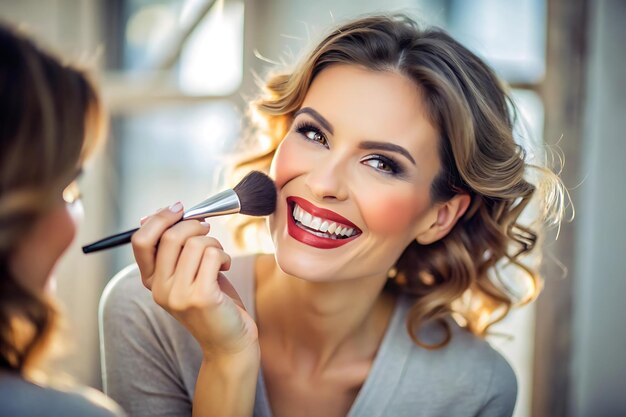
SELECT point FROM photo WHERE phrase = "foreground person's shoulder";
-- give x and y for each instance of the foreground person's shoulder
(21, 398)
(90, 402)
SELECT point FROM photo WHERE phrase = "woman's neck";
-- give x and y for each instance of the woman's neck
(321, 323)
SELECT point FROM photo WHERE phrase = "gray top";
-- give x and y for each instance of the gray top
(20, 398)
(150, 362)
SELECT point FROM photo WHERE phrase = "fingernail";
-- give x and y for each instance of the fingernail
(205, 224)
(175, 208)
(143, 219)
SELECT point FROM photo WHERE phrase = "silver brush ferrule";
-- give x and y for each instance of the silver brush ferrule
(226, 202)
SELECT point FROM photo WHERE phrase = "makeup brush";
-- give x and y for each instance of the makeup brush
(255, 195)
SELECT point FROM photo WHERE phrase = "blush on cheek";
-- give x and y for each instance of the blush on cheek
(287, 162)
(391, 213)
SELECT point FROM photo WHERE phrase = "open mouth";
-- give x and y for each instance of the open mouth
(319, 227)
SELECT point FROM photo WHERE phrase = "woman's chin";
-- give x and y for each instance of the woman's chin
(306, 267)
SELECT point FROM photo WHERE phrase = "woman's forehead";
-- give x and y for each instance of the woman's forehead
(373, 105)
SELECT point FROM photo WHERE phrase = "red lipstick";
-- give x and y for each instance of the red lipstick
(309, 238)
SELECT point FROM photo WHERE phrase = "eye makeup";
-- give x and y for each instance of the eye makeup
(384, 164)
(304, 128)
(381, 163)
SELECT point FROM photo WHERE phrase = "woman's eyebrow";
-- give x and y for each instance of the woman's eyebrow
(314, 114)
(386, 146)
(368, 145)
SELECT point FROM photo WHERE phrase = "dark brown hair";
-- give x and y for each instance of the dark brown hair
(50, 120)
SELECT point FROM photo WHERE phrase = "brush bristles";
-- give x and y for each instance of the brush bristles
(257, 194)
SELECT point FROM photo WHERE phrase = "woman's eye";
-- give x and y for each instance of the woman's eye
(312, 133)
(315, 136)
(383, 165)
(379, 165)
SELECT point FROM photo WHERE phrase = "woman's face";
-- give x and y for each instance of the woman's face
(34, 260)
(358, 160)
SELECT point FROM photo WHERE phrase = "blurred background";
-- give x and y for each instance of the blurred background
(177, 76)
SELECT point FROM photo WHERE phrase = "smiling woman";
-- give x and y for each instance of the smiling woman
(350, 164)
(399, 190)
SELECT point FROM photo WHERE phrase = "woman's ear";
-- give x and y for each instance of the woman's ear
(448, 214)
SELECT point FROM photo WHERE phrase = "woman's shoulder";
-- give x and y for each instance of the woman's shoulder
(480, 375)
(464, 352)
(19, 397)
(475, 355)
(476, 351)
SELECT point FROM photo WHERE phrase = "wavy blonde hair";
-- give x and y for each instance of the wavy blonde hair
(474, 115)
(50, 121)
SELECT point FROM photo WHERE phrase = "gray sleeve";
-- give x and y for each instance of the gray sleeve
(85, 402)
(20, 398)
(139, 363)
(502, 392)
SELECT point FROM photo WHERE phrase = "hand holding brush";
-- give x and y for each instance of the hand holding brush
(182, 265)
(254, 195)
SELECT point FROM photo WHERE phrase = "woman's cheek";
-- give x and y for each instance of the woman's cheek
(392, 213)
(288, 162)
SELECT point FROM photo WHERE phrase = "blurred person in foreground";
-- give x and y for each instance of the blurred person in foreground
(50, 121)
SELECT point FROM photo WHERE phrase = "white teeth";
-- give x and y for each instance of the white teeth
(297, 213)
(316, 223)
(319, 224)
(306, 219)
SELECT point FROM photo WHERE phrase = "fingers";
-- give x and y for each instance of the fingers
(172, 243)
(146, 239)
(191, 257)
(180, 293)
(213, 261)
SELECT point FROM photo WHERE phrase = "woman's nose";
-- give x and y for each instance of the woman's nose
(327, 181)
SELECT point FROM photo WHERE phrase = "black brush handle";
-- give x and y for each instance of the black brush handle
(110, 242)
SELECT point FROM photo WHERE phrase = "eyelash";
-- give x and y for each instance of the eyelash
(306, 127)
